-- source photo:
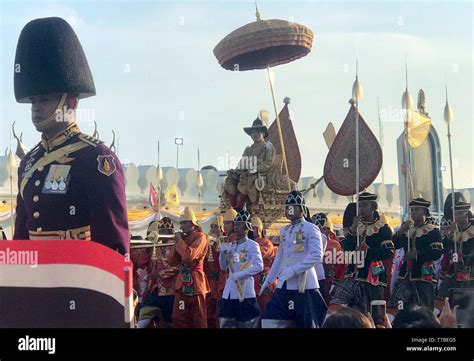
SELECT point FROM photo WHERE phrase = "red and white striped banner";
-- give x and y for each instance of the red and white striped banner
(67, 283)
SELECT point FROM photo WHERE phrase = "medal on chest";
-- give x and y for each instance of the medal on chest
(297, 238)
(57, 179)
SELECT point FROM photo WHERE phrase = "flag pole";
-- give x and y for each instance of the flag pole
(159, 176)
(199, 179)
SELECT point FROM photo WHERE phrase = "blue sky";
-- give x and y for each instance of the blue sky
(157, 78)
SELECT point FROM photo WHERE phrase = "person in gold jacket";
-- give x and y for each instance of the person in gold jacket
(259, 158)
(192, 286)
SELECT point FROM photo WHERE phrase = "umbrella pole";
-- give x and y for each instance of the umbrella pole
(280, 135)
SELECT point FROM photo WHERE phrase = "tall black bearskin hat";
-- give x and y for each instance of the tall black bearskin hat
(49, 60)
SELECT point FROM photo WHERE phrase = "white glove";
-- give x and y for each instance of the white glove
(263, 288)
(286, 274)
(234, 277)
(225, 247)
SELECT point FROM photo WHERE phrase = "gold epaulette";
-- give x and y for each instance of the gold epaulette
(387, 244)
(32, 150)
(90, 140)
(423, 230)
(437, 245)
(466, 235)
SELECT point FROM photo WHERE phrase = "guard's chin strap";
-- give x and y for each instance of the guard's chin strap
(52, 117)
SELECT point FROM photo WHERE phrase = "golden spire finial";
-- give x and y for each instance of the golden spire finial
(257, 13)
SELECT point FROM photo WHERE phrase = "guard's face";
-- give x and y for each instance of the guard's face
(325, 231)
(366, 209)
(418, 214)
(240, 229)
(461, 216)
(228, 227)
(444, 230)
(257, 136)
(215, 229)
(42, 107)
(256, 233)
(293, 212)
(187, 226)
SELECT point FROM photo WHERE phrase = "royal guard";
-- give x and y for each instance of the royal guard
(371, 239)
(459, 244)
(268, 252)
(422, 245)
(334, 271)
(192, 286)
(213, 271)
(297, 300)
(71, 186)
(158, 298)
(238, 307)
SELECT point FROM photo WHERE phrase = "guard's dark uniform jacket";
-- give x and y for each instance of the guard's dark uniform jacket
(378, 237)
(72, 187)
(428, 246)
(465, 247)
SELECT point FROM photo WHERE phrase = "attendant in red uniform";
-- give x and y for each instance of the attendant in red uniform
(268, 251)
(192, 286)
(158, 298)
(213, 271)
(334, 272)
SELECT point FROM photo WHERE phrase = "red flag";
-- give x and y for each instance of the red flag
(152, 196)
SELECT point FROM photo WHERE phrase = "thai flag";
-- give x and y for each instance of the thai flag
(152, 197)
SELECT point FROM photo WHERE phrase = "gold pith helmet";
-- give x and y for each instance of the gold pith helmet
(257, 222)
(219, 222)
(230, 215)
(188, 215)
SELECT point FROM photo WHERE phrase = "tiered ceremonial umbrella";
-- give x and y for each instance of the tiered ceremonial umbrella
(264, 44)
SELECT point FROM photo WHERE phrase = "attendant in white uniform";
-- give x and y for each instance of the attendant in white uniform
(297, 300)
(238, 307)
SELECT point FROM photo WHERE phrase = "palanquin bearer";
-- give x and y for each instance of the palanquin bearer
(229, 237)
(71, 186)
(158, 299)
(459, 247)
(422, 245)
(333, 269)
(366, 277)
(297, 300)
(213, 270)
(238, 307)
(192, 286)
(268, 251)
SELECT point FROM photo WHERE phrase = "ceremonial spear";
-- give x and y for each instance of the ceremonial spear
(357, 94)
(448, 117)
